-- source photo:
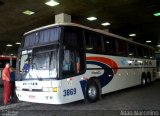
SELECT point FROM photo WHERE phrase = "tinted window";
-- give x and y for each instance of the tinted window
(43, 36)
(145, 52)
(131, 50)
(121, 48)
(93, 42)
(140, 53)
(151, 53)
(109, 45)
(73, 52)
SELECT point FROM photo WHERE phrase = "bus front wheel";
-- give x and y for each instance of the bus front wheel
(92, 91)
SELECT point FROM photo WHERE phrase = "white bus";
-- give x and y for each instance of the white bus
(63, 63)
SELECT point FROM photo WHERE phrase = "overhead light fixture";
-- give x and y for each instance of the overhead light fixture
(156, 14)
(51, 3)
(18, 43)
(148, 41)
(107, 42)
(9, 45)
(132, 35)
(158, 45)
(11, 54)
(91, 18)
(28, 12)
(105, 24)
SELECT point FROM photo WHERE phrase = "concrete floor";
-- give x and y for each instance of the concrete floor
(133, 100)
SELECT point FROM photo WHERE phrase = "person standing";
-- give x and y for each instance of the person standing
(6, 83)
(12, 81)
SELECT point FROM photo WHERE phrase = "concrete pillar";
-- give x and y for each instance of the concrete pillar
(62, 18)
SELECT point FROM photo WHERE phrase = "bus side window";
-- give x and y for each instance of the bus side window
(73, 62)
(93, 42)
(140, 53)
(109, 45)
(68, 63)
(151, 53)
(121, 48)
(146, 52)
(131, 50)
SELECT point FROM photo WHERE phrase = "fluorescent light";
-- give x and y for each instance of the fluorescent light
(105, 24)
(18, 43)
(51, 3)
(11, 54)
(28, 12)
(158, 45)
(9, 45)
(132, 35)
(107, 42)
(89, 48)
(156, 14)
(148, 41)
(91, 18)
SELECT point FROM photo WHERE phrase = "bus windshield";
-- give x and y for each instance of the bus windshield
(39, 63)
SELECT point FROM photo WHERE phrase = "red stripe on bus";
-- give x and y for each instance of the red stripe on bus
(106, 61)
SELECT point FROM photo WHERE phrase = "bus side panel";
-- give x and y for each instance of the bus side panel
(127, 73)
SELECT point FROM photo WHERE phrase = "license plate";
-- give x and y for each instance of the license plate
(32, 97)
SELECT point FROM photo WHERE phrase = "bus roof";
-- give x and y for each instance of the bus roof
(85, 27)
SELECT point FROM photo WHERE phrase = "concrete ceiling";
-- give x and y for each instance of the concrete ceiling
(125, 16)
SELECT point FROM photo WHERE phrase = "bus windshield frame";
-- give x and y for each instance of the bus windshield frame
(36, 49)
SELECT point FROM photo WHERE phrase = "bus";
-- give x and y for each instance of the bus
(3, 61)
(67, 62)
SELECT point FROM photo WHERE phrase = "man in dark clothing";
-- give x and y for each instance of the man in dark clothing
(12, 81)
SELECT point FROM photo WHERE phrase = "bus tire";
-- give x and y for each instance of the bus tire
(143, 80)
(148, 78)
(92, 91)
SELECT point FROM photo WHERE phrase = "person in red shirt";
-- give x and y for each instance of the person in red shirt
(6, 83)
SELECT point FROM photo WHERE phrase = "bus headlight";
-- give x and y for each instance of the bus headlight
(47, 89)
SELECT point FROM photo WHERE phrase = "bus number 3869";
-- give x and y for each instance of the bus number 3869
(68, 92)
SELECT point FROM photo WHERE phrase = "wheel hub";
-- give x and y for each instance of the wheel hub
(92, 92)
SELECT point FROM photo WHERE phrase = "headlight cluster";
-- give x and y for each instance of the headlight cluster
(50, 89)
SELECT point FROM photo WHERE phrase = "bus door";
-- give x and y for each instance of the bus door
(72, 64)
